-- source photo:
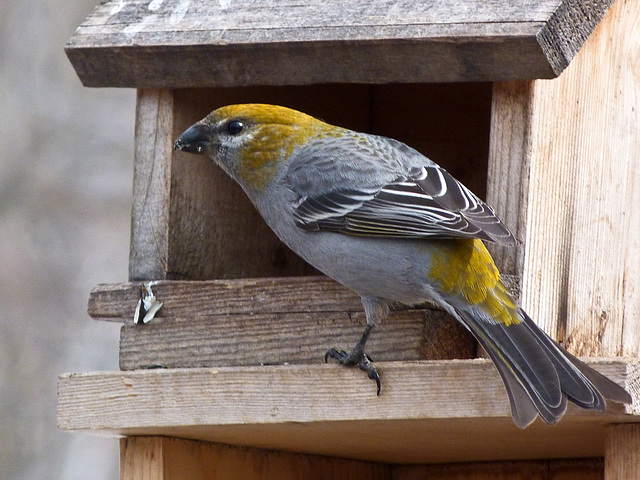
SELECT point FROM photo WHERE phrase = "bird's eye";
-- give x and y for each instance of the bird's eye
(235, 127)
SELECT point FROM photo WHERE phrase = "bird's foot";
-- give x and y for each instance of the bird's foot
(356, 357)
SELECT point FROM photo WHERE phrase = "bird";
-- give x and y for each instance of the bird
(390, 224)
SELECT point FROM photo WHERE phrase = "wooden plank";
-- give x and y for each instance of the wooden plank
(149, 251)
(166, 458)
(255, 321)
(294, 338)
(574, 469)
(226, 297)
(428, 412)
(141, 458)
(621, 457)
(117, 302)
(271, 320)
(508, 168)
(162, 458)
(134, 43)
(576, 139)
(520, 470)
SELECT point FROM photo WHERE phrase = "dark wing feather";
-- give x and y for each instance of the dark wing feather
(426, 203)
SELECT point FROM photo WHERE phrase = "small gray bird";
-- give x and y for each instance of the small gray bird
(390, 224)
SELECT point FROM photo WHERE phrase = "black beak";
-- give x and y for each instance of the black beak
(194, 140)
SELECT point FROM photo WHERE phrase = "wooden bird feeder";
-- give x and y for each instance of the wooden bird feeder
(533, 105)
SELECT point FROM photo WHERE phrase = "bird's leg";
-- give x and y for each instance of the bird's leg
(375, 310)
(357, 357)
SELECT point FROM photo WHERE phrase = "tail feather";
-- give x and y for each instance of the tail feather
(574, 383)
(538, 374)
(523, 409)
(609, 389)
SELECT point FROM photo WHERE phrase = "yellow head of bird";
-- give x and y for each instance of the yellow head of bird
(250, 141)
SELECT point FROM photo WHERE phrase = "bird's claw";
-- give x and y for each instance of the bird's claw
(356, 357)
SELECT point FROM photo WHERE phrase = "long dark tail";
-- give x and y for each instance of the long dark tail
(539, 375)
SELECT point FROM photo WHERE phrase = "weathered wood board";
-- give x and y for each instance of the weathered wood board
(564, 173)
(622, 460)
(269, 320)
(181, 43)
(428, 411)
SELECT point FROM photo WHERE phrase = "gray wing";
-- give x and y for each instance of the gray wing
(419, 202)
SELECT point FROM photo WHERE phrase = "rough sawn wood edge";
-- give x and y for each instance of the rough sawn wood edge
(130, 45)
(433, 411)
(182, 298)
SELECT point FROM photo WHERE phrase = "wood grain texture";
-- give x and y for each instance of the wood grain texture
(277, 320)
(269, 320)
(577, 136)
(165, 458)
(149, 250)
(573, 469)
(294, 338)
(622, 461)
(508, 168)
(117, 302)
(576, 469)
(142, 458)
(162, 458)
(181, 43)
(305, 409)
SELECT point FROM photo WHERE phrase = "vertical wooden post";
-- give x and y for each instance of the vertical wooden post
(509, 167)
(141, 458)
(572, 198)
(622, 452)
(148, 255)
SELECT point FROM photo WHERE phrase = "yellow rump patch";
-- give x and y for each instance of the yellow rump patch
(464, 268)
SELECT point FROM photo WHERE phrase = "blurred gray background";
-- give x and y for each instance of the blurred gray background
(66, 162)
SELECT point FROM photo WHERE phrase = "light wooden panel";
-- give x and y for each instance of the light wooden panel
(508, 168)
(428, 412)
(564, 172)
(255, 321)
(162, 458)
(622, 448)
(141, 458)
(181, 43)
